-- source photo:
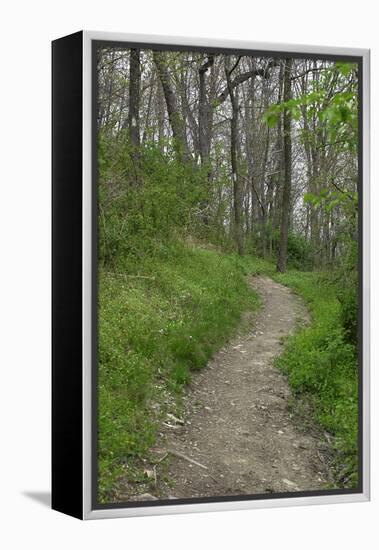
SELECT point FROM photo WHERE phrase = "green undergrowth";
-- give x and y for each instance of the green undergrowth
(321, 364)
(160, 320)
(162, 316)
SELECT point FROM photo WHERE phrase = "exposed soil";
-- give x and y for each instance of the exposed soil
(238, 435)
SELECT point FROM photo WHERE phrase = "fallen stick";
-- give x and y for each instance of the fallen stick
(214, 479)
(155, 467)
(127, 276)
(185, 457)
(161, 459)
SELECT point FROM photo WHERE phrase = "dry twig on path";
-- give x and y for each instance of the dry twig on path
(185, 457)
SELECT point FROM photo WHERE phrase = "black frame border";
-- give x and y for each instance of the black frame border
(67, 268)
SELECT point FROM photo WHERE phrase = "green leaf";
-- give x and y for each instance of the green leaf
(311, 198)
(272, 119)
(296, 113)
(344, 68)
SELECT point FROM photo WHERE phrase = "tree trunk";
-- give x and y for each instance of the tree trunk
(287, 160)
(176, 121)
(205, 114)
(134, 98)
(250, 132)
(160, 107)
(134, 108)
(205, 131)
(237, 202)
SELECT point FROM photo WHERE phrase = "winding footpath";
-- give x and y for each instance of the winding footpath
(238, 436)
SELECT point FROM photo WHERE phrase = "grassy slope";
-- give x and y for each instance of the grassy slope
(156, 329)
(158, 322)
(322, 370)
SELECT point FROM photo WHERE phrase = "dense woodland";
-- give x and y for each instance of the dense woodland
(250, 157)
(262, 152)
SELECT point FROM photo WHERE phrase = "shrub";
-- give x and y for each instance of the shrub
(321, 365)
(299, 250)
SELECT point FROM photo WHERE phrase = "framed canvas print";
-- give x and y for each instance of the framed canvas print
(210, 275)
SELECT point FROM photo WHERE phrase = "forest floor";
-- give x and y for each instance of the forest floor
(237, 435)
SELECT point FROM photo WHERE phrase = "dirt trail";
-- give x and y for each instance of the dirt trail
(237, 422)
